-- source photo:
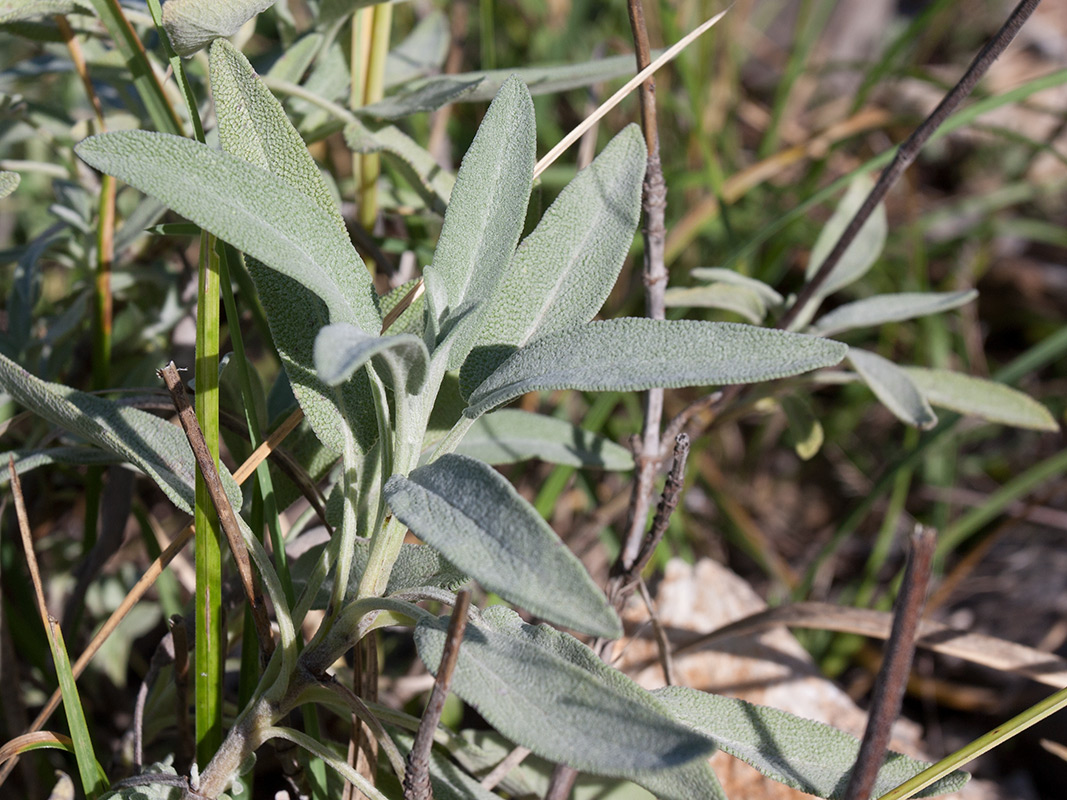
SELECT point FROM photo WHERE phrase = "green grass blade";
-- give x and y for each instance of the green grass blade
(92, 776)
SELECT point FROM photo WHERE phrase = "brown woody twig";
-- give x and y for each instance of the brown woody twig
(206, 464)
(893, 676)
(417, 776)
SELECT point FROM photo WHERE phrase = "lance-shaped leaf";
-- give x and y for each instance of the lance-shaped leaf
(727, 297)
(422, 53)
(341, 349)
(770, 295)
(562, 272)
(511, 435)
(148, 442)
(865, 248)
(894, 388)
(422, 171)
(253, 210)
(474, 517)
(633, 354)
(193, 24)
(981, 398)
(575, 713)
(254, 127)
(420, 96)
(9, 181)
(483, 222)
(806, 755)
(294, 62)
(883, 308)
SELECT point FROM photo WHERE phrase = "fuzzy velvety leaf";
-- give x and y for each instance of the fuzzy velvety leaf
(514, 676)
(193, 24)
(484, 220)
(892, 386)
(21, 10)
(634, 354)
(422, 171)
(563, 271)
(294, 62)
(510, 435)
(883, 308)
(254, 127)
(981, 398)
(865, 248)
(418, 569)
(341, 349)
(9, 181)
(806, 755)
(154, 445)
(255, 211)
(428, 95)
(727, 297)
(479, 522)
(770, 295)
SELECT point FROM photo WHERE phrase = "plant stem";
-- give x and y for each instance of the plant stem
(210, 631)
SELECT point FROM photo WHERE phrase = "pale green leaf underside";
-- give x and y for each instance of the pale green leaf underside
(342, 349)
(806, 755)
(724, 296)
(294, 62)
(193, 24)
(562, 272)
(865, 248)
(556, 708)
(9, 181)
(244, 205)
(770, 295)
(422, 52)
(150, 443)
(428, 95)
(422, 171)
(981, 398)
(634, 354)
(485, 217)
(874, 311)
(479, 522)
(510, 435)
(894, 388)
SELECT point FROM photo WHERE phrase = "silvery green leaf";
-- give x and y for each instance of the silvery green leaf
(9, 181)
(545, 79)
(511, 435)
(422, 53)
(484, 220)
(417, 568)
(892, 386)
(193, 24)
(803, 754)
(865, 248)
(253, 210)
(428, 95)
(479, 522)
(804, 428)
(770, 296)
(154, 445)
(27, 460)
(254, 127)
(883, 308)
(634, 353)
(573, 714)
(727, 297)
(978, 397)
(421, 170)
(342, 349)
(294, 62)
(21, 10)
(562, 272)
